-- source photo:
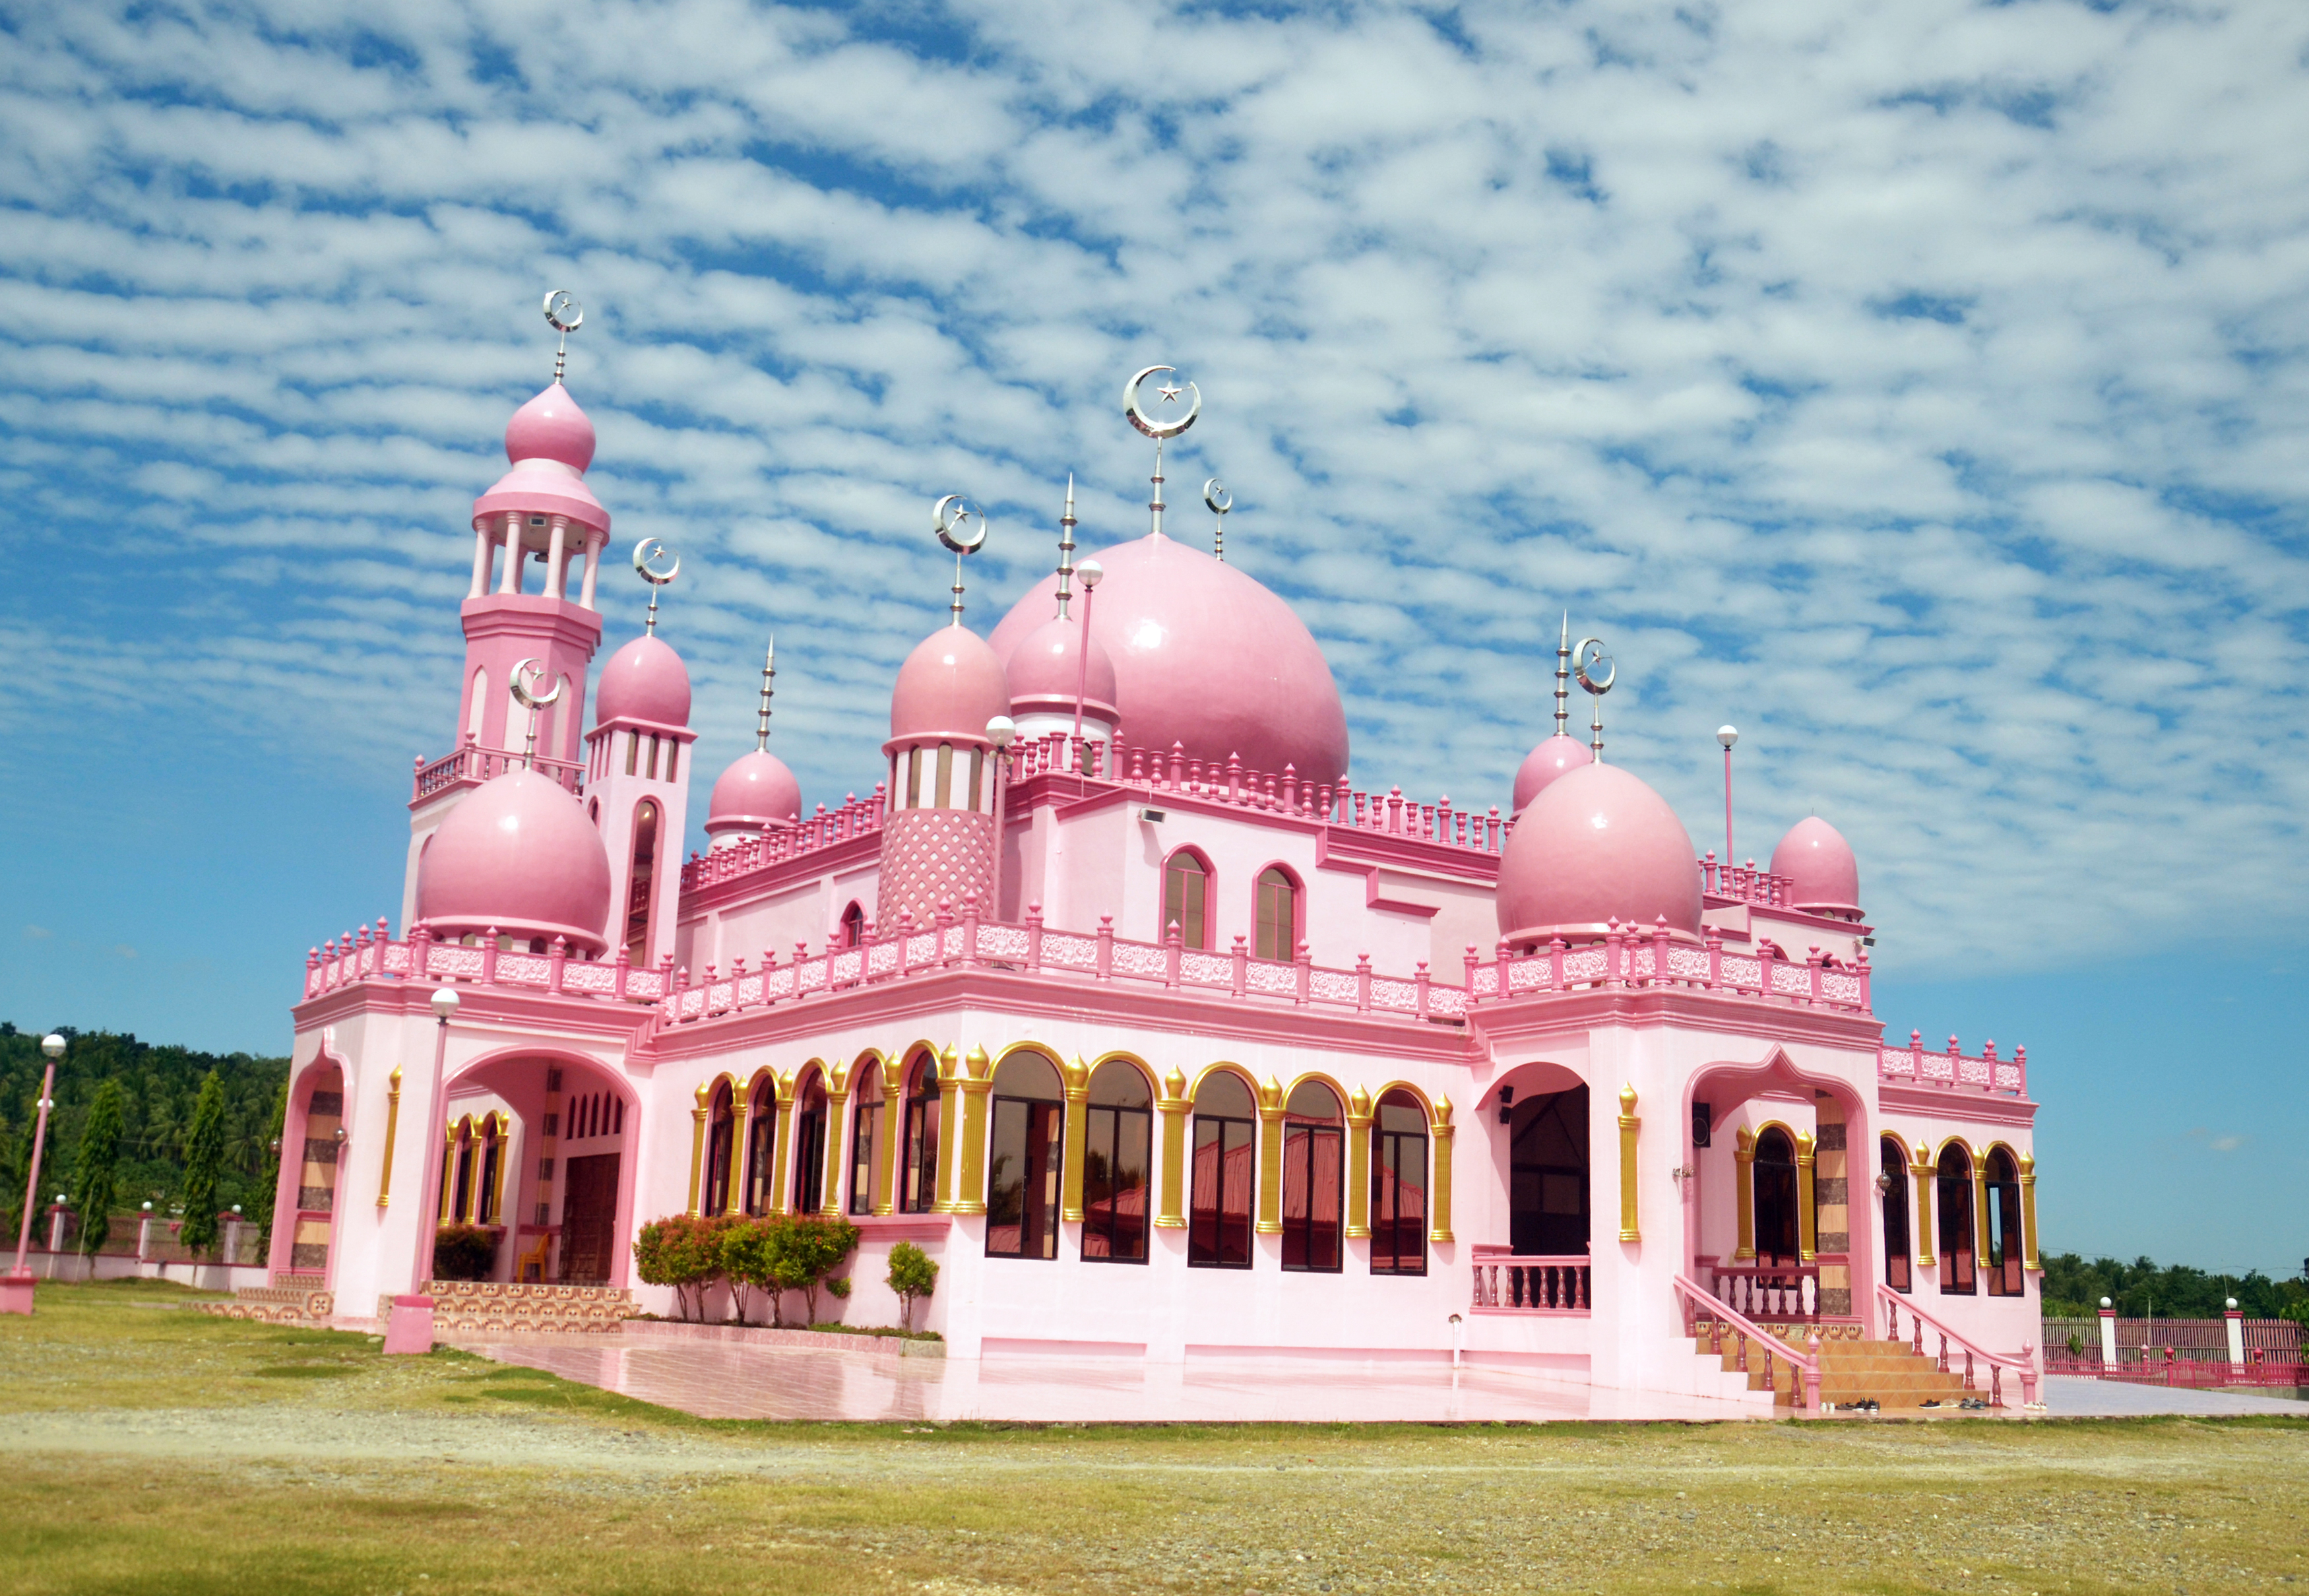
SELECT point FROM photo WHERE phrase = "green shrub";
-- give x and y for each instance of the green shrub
(682, 1251)
(911, 1275)
(746, 1260)
(804, 1251)
(464, 1253)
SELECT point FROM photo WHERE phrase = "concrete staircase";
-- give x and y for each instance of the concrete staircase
(1888, 1373)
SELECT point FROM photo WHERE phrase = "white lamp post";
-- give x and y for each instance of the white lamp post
(1727, 736)
(52, 1047)
(444, 1003)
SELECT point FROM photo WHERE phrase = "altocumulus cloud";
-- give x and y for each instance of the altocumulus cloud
(1920, 385)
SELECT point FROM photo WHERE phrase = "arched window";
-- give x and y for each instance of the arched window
(1314, 1158)
(853, 926)
(637, 894)
(1023, 1159)
(1398, 1186)
(478, 705)
(1278, 914)
(865, 1124)
(918, 1183)
(2003, 1229)
(810, 1148)
(720, 1126)
(1894, 1160)
(1117, 1155)
(1547, 1174)
(1776, 1197)
(1186, 900)
(461, 1203)
(492, 1149)
(761, 1142)
(1954, 1201)
(1218, 1217)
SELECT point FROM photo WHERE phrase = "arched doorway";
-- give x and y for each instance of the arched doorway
(1892, 1180)
(2000, 1183)
(1547, 1174)
(1953, 1198)
(1778, 1230)
(558, 1188)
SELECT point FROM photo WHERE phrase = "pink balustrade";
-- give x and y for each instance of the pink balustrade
(1632, 956)
(1744, 883)
(364, 956)
(1770, 1293)
(473, 763)
(1918, 1065)
(1997, 1363)
(1508, 1282)
(828, 828)
(1709, 1318)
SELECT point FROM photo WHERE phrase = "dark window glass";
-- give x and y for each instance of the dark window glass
(2005, 1249)
(918, 1184)
(1314, 1157)
(637, 894)
(1954, 1201)
(809, 1151)
(1547, 1174)
(485, 1207)
(1220, 1181)
(1116, 1165)
(1278, 914)
(865, 1124)
(1023, 1159)
(720, 1129)
(1398, 1197)
(1896, 1255)
(761, 1141)
(854, 927)
(1185, 895)
(1776, 1197)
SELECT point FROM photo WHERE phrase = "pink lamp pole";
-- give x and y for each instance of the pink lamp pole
(16, 1297)
(1727, 736)
(1091, 573)
(445, 1003)
(999, 732)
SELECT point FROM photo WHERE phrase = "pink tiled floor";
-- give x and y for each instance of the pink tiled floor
(720, 1381)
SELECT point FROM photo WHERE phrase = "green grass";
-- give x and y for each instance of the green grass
(154, 1451)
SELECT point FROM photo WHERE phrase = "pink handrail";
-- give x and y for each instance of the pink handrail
(1697, 1299)
(2024, 1364)
(1650, 956)
(1918, 1065)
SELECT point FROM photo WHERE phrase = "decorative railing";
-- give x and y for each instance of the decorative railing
(827, 829)
(1508, 1282)
(472, 763)
(1997, 1363)
(1770, 1293)
(1745, 882)
(364, 956)
(1630, 957)
(1706, 1314)
(1914, 1065)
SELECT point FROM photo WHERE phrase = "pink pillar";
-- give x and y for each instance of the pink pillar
(510, 582)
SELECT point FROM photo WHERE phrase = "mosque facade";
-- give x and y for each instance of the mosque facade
(1122, 1001)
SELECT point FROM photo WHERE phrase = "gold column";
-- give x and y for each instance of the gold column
(1359, 1156)
(392, 1124)
(1628, 1125)
(697, 1148)
(836, 1161)
(448, 1171)
(1743, 1180)
(2028, 1259)
(976, 1085)
(1270, 1159)
(1173, 1107)
(950, 1126)
(891, 1151)
(1980, 1240)
(1070, 1180)
(1922, 1168)
(1439, 1207)
(781, 1197)
(1807, 1220)
(741, 1106)
(504, 1159)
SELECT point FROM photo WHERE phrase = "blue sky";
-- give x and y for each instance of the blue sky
(1921, 386)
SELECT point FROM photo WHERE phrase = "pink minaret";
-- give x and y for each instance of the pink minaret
(637, 790)
(540, 512)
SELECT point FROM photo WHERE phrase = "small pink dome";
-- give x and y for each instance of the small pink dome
(757, 792)
(551, 426)
(1203, 656)
(947, 690)
(1545, 763)
(1816, 857)
(1044, 669)
(1598, 844)
(644, 681)
(518, 854)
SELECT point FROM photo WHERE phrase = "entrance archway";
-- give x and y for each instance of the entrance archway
(1547, 1174)
(566, 1216)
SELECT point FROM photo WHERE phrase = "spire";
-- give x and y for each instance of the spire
(1173, 423)
(566, 316)
(1066, 524)
(1584, 666)
(647, 550)
(1216, 495)
(1563, 678)
(952, 518)
(769, 680)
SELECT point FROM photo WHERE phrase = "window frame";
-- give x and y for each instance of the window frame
(761, 1146)
(1899, 1264)
(1387, 1150)
(1117, 1119)
(1312, 1133)
(859, 1198)
(1200, 1233)
(1298, 891)
(1784, 1176)
(1960, 1266)
(1210, 900)
(918, 1137)
(2008, 1245)
(809, 1150)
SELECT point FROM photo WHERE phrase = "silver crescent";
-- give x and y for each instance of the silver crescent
(647, 550)
(1582, 659)
(950, 518)
(1158, 430)
(562, 311)
(1216, 495)
(526, 696)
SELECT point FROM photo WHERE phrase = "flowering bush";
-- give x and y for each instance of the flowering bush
(682, 1251)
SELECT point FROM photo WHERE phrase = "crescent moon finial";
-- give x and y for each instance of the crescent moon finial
(962, 526)
(1172, 423)
(1585, 657)
(525, 676)
(1216, 495)
(564, 314)
(644, 551)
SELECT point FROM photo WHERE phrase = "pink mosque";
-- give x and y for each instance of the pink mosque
(1124, 1003)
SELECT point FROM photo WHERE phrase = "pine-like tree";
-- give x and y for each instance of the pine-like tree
(99, 1152)
(203, 1160)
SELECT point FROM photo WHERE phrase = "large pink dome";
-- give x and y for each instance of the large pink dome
(551, 426)
(1545, 763)
(1820, 861)
(947, 690)
(518, 853)
(757, 792)
(551, 444)
(1205, 657)
(1045, 670)
(644, 680)
(1598, 844)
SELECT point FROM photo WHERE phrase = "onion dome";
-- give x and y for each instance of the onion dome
(644, 680)
(1596, 845)
(1545, 763)
(518, 853)
(1044, 671)
(551, 444)
(947, 690)
(1826, 876)
(756, 793)
(1205, 657)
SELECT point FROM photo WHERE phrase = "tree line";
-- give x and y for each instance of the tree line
(2074, 1288)
(190, 1132)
